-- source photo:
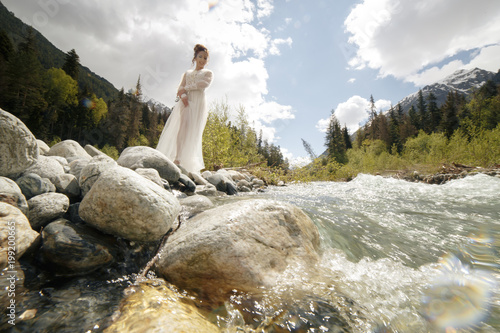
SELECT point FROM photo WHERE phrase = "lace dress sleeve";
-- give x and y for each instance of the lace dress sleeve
(200, 82)
(182, 85)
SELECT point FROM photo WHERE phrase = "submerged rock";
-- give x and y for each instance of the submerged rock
(244, 246)
(75, 249)
(18, 146)
(125, 204)
(156, 308)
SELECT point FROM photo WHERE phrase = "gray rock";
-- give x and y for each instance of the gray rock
(18, 146)
(12, 194)
(43, 148)
(46, 167)
(68, 184)
(195, 204)
(63, 161)
(235, 175)
(74, 249)
(198, 179)
(67, 149)
(208, 190)
(152, 175)
(76, 167)
(243, 245)
(147, 157)
(190, 185)
(91, 172)
(206, 174)
(45, 208)
(243, 183)
(257, 182)
(231, 188)
(244, 189)
(221, 183)
(93, 151)
(127, 205)
(32, 185)
(24, 237)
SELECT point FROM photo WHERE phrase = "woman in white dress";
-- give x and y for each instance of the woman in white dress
(181, 138)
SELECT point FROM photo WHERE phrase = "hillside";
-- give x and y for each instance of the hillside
(50, 56)
(463, 81)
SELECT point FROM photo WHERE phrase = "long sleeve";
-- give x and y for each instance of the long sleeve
(200, 82)
(182, 85)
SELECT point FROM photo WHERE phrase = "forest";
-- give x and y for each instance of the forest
(57, 105)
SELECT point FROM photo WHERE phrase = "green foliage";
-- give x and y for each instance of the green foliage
(110, 151)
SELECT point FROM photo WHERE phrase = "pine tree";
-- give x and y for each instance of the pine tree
(394, 123)
(24, 92)
(434, 112)
(449, 110)
(424, 121)
(6, 53)
(309, 150)
(72, 64)
(335, 144)
(347, 137)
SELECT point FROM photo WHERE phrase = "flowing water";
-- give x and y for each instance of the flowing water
(396, 257)
(415, 257)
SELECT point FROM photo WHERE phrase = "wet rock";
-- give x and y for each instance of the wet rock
(11, 193)
(127, 205)
(190, 185)
(222, 183)
(18, 146)
(68, 149)
(43, 148)
(23, 236)
(45, 208)
(90, 173)
(46, 167)
(243, 246)
(147, 157)
(151, 174)
(236, 176)
(74, 249)
(32, 185)
(198, 179)
(68, 184)
(195, 204)
(208, 190)
(173, 312)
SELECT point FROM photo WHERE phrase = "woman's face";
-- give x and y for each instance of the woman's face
(201, 59)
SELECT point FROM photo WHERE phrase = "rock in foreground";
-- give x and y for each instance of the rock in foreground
(243, 246)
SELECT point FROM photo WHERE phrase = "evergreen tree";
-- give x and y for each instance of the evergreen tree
(347, 137)
(6, 53)
(414, 118)
(394, 122)
(449, 111)
(72, 64)
(335, 144)
(434, 112)
(423, 116)
(309, 150)
(24, 91)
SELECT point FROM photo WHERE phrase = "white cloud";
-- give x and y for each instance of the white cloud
(295, 162)
(351, 80)
(353, 112)
(403, 38)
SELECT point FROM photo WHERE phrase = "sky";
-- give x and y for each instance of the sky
(289, 63)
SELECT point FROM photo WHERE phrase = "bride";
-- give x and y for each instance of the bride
(181, 138)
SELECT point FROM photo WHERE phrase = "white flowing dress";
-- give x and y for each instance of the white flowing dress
(182, 135)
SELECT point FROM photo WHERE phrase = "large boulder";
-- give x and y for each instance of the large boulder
(241, 246)
(222, 183)
(152, 307)
(43, 148)
(45, 208)
(18, 146)
(74, 249)
(68, 184)
(46, 167)
(15, 232)
(68, 149)
(125, 204)
(12, 194)
(147, 157)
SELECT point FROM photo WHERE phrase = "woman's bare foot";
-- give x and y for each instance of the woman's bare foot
(177, 162)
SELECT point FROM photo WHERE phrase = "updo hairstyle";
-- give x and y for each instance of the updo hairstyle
(199, 48)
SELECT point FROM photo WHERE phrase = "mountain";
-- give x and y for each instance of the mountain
(50, 56)
(463, 81)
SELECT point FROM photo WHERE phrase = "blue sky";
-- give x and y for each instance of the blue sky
(289, 62)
